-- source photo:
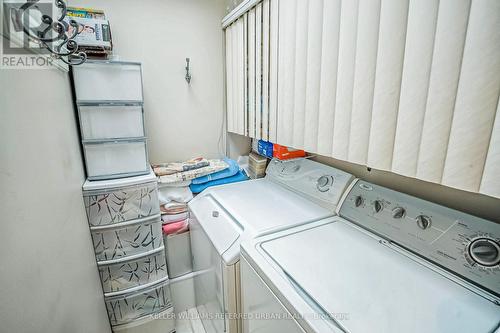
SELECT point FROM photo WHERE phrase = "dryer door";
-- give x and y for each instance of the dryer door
(212, 233)
(208, 280)
(221, 229)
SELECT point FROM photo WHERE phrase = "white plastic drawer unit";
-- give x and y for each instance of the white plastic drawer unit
(108, 81)
(115, 159)
(111, 121)
(115, 205)
(128, 307)
(132, 272)
(127, 239)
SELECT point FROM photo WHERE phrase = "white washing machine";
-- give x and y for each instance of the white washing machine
(387, 263)
(292, 193)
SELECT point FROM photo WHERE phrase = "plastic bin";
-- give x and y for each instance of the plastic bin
(286, 153)
(265, 148)
(115, 159)
(257, 162)
(108, 81)
(125, 273)
(127, 239)
(256, 166)
(109, 205)
(99, 122)
(128, 307)
(178, 251)
(253, 175)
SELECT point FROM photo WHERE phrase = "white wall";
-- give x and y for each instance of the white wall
(48, 275)
(183, 121)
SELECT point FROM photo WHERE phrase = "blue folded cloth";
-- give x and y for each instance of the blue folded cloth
(238, 177)
(230, 171)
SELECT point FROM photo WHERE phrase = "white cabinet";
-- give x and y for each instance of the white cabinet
(110, 110)
(111, 121)
(108, 81)
(126, 231)
(115, 159)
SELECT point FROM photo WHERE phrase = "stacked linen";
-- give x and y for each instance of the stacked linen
(174, 193)
(173, 201)
(231, 174)
(165, 169)
(179, 180)
(177, 183)
(178, 172)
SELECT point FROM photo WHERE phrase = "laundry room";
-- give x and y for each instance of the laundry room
(250, 166)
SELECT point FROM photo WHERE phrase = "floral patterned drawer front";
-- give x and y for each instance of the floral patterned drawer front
(126, 308)
(125, 274)
(120, 205)
(129, 239)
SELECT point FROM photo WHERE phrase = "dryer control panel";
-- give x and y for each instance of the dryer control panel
(318, 182)
(464, 244)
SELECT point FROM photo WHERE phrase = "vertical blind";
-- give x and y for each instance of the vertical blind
(252, 72)
(408, 86)
(236, 77)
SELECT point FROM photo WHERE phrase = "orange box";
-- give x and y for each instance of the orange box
(285, 153)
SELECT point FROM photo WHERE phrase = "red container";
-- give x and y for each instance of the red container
(285, 153)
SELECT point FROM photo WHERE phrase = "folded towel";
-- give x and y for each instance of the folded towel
(215, 166)
(240, 176)
(163, 169)
(178, 194)
(176, 228)
(174, 217)
(173, 207)
(183, 183)
(230, 171)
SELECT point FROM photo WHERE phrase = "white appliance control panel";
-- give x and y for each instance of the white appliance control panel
(463, 244)
(318, 182)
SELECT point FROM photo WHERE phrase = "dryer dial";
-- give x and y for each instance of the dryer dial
(485, 251)
(378, 206)
(398, 212)
(423, 221)
(324, 183)
(358, 201)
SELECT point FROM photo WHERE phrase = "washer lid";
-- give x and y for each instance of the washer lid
(219, 226)
(248, 209)
(373, 288)
(262, 206)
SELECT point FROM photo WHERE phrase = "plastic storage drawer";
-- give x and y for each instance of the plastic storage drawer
(128, 307)
(116, 205)
(178, 251)
(115, 159)
(125, 273)
(127, 239)
(98, 122)
(108, 81)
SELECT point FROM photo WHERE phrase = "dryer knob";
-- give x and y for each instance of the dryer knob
(423, 221)
(324, 183)
(398, 212)
(358, 201)
(485, 251)
(378, 206)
